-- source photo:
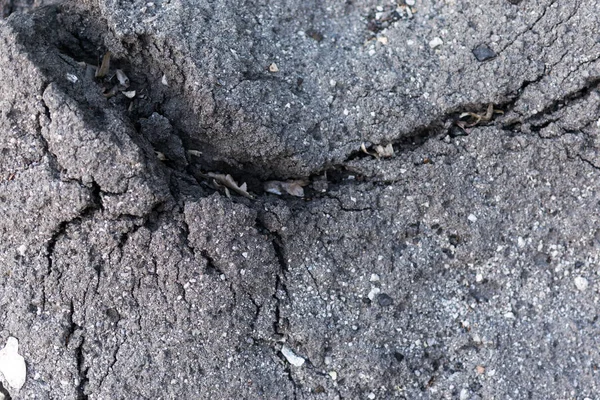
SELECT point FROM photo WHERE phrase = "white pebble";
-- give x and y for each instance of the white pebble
(374, 278)
(472, 218)
(292, 358)
(333, 375)
(374, 292)
(464, 394)
(410, 2)
(12, 364)
(371, 396)
(436, 42)
(164, 80)
(581, 283)
(72, 78)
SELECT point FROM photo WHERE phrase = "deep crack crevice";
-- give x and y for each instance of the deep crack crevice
(4, 392)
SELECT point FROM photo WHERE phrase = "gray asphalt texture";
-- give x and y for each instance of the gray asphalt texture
(465, 266)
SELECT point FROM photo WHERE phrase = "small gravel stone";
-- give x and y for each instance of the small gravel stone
(374, 292)
(472, 218)
(410, 2)
(12, 364)
(398, 356)
(384, 300)
(436, 42)
(292, 358)
(541, 259)
(581, 283)
(483, 53)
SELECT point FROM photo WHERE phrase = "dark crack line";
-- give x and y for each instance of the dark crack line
(4, 392)
(314, 280)
(110, 367)
(83, 370)
(588, 162)
(529, 28)
(75, 332)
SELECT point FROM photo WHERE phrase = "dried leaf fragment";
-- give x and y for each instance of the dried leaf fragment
(112, 92)
(363, 148)
(479, 118)
(380, 151)
(104, 67)
(129, 94)
(122, 78)
(294, 188)
(196, 153)
(385, 152)
(229, 182)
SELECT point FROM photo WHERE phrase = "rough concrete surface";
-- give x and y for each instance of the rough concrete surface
(462, 266)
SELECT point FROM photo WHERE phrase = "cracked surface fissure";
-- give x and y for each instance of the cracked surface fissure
(435, 130)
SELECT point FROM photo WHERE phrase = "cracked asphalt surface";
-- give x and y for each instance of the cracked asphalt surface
(465, 266)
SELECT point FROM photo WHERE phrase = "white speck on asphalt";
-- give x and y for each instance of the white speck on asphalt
(292, 358)
(472, 218)
(436, 42)
(12, 364)
(373, 293)
(72, 78)
(509, 315)
(581, 283)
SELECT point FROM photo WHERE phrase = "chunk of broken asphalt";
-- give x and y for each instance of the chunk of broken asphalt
(483, 53)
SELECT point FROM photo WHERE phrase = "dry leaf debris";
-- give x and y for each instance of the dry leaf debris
(470, 119)
(107, 80)
(294, 188)
(380, 151)
(220, 180)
